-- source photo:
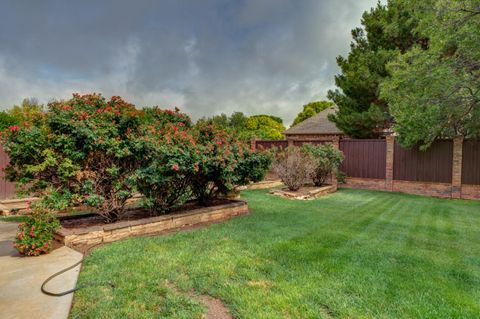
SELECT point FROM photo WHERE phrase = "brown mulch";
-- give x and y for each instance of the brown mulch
(89, 220)
(271, 176)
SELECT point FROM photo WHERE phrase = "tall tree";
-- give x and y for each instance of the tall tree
(237, 120)
(387, 30)
(261, 126)
(436, 93)
(310, 110)
(265, 126)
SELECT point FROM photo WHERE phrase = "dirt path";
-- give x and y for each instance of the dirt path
(216, 308)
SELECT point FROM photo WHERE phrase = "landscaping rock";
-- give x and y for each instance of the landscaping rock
(306, 192)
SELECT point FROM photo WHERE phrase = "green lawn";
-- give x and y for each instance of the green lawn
(353, 254)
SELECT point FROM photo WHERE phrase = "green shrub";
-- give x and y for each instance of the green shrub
(170, 159)
(202, 162)
(89, 151)
(326, 161)
(253, 167)
(82, 151)
(225, 162)
(159, 118)
(35, 235)
(341, 177)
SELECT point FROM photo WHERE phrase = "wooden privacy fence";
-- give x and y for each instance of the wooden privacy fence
(302, 142)
(281, 144)
(270, 144)
(7, 189)
(449, 168)
(433, 165)
(471, 162)
(364, 158)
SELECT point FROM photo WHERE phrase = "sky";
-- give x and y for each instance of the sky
(206, 57)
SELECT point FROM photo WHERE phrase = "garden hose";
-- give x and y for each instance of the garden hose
(58, 273)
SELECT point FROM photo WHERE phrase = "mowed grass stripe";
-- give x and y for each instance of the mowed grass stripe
(352, 254)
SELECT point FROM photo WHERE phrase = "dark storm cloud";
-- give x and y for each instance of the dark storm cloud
(211, 56)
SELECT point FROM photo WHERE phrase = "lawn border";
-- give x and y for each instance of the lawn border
(94, 235)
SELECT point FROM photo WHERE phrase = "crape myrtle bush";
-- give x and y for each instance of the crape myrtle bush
(224, 162)
(199, 162)
(168, 159)
(294, 165)
(81, 152)
(297, 165)
(98, 153)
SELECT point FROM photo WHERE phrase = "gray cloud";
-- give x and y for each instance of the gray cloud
(210, 56)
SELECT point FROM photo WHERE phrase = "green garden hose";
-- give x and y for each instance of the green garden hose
(63, 293)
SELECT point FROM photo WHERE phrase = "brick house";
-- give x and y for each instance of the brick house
(317, 127)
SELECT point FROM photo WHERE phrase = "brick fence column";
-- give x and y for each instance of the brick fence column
(390, 140)
(457, 167)
(336, 145)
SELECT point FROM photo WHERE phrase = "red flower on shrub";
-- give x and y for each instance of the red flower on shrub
(14, 128)
(175, 168)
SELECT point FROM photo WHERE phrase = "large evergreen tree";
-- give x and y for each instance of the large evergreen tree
(435, 93)
(387, 30)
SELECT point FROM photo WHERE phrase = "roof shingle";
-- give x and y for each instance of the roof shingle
(317, 124)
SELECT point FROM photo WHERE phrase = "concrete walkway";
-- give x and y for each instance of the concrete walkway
(21, 278)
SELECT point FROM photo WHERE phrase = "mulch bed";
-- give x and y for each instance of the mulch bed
(91, 219)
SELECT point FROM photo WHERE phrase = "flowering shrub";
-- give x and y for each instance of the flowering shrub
(94, 152)
(34, 237)
(170, 159)
(326, 161)
(294, 166)
(82, 152)
(160, 118)
(200, 163)
(224, 163)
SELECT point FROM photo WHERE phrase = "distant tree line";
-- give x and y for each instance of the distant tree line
(247, 127)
